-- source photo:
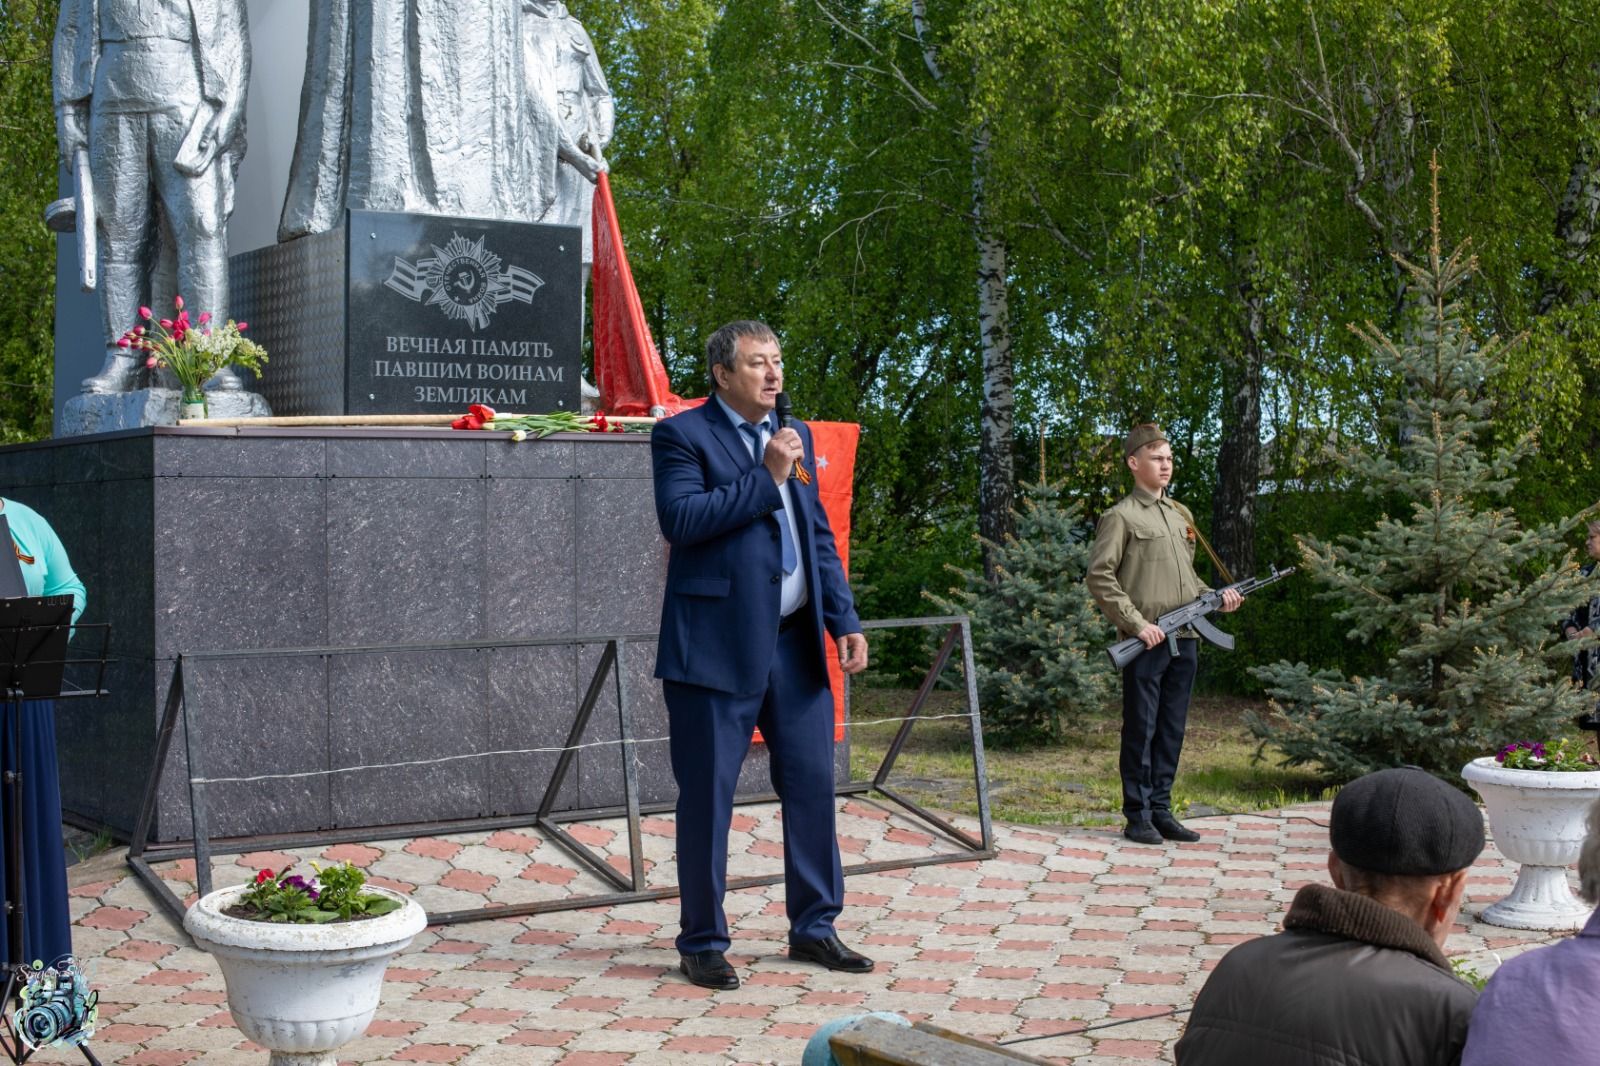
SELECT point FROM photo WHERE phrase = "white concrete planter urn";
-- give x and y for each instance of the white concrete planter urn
(302, 991)
(1538, 821)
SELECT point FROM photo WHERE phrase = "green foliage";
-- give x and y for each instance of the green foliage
(1038, 638)
(1565, 756)
(27, 250)
(334, 895)
(1462, 593)
(1468, 973)
(341, 893)
(284, 898)
(899, 566)
(1292, 619)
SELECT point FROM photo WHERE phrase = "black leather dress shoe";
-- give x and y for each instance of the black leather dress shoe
(1172, 829)
(709, 969)
(830, 953)
(1141, 833)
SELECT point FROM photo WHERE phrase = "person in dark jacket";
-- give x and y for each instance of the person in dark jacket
(1358, 976)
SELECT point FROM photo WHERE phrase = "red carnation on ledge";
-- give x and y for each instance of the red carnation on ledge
(481, 416)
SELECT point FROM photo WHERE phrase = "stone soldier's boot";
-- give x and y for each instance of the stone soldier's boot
(121, 287)
(122, 373)
(228, 379)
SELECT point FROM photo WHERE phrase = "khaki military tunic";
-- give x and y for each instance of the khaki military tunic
(1142, 563)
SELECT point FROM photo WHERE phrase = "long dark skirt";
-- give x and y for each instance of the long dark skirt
(48, 930)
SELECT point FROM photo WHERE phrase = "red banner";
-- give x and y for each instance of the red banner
(633, 381)
(627, 368)
(835, 446)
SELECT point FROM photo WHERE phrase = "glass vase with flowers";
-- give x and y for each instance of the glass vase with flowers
(192, 350)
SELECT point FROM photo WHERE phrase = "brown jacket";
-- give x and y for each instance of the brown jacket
(1348, 982)
(1142, 563)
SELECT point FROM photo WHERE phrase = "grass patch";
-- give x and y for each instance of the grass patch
(1074, 783)
(83, 844)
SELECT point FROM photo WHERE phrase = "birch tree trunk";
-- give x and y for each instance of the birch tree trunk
(1576, 216)
(996, 469)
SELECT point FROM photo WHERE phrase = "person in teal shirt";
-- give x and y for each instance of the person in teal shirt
(47, 934)
(46, 570)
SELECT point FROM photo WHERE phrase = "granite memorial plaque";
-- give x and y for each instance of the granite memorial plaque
(446, 312)
(398, 313)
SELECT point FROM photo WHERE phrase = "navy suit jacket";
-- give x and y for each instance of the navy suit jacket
(719, 511)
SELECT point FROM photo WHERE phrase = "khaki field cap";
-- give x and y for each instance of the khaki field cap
(1139, 436)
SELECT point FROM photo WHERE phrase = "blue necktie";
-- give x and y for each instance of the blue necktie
(791, 558)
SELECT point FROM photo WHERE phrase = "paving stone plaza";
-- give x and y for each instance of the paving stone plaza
(1066, 931)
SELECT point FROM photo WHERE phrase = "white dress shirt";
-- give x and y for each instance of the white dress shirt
(794, 583)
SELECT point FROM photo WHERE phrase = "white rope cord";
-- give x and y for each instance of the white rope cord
(413, 762)
(518, 751)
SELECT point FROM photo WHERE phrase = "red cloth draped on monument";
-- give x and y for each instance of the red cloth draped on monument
(627, 368)
(632, 381)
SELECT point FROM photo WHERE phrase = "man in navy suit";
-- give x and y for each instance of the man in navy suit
(753, 580)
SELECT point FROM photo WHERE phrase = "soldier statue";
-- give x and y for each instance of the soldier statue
(421, 106)
(484, 108)
(565, 74)
(150, 104)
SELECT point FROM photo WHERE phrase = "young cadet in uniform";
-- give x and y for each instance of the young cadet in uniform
(1141, 567)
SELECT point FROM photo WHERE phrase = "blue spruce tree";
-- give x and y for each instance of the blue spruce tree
(1466, 598)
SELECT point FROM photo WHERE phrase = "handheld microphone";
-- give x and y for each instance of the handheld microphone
(785, 413)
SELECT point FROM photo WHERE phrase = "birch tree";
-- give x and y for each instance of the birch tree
(940, 95)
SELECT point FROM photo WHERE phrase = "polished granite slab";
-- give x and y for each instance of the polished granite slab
(208, 539)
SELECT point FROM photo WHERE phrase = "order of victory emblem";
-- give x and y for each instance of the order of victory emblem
(466, 281)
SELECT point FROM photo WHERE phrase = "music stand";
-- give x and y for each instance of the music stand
(33, 658)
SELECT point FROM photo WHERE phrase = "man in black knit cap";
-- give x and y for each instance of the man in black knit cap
(1358, 976)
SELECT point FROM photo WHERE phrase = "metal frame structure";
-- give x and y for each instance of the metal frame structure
(629, 888)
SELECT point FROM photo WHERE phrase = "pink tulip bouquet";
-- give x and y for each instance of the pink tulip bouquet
(193, 351)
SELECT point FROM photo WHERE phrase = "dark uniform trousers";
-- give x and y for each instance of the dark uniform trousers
(1155, 709)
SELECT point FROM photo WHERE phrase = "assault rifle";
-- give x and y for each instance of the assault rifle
(1194, 614)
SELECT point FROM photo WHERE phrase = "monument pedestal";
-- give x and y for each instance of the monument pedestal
(194, 539)
(96, 413)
